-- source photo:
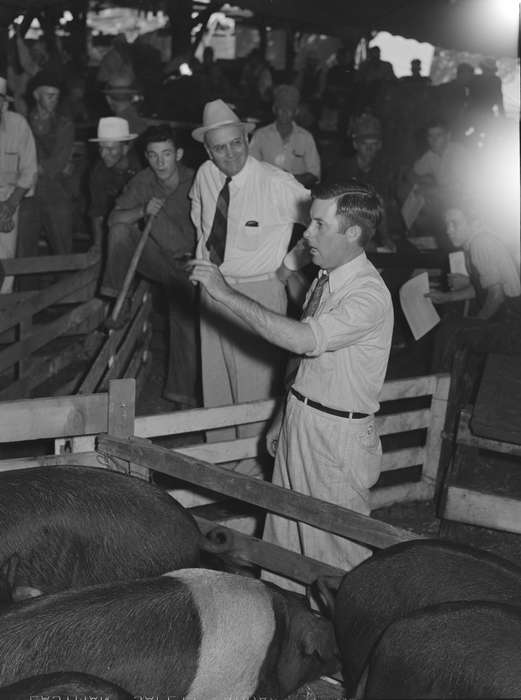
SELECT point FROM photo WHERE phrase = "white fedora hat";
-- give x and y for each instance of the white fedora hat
(216, 114)
(3, 90)
(113, 129)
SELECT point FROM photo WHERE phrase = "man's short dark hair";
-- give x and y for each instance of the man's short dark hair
(437, 123)
(357, 203)
(158, 134)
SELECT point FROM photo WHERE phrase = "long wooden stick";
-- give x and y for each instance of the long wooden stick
(132, 269)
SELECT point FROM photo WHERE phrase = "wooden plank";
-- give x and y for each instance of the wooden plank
(64, 416)
(52, 330)
(137, 327)
(483, 509)
(290, 504)
(401, 493)
(403, 422)
(434, 433)
(274, 558)
(51, 263)
(198, 419)
(401, 459)
(41, 369)
(84, 459)
(408, 388)
(108, 350)
(465, 437)
(219, 452)
(46, 297)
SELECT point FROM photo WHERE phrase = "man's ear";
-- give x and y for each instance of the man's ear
(179, 154)
(353, 232)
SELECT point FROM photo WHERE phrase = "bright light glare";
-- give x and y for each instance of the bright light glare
(507, 11)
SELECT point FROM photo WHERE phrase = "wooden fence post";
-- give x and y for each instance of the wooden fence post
(122, 411)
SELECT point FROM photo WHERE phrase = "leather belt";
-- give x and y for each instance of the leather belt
(325, 409)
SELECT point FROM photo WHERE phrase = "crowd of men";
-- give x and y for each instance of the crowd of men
(225, 245)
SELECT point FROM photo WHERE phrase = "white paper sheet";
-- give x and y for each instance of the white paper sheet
(457, 263)
(412, 206)
(419, 311)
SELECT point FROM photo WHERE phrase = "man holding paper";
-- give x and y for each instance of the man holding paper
(493, 284)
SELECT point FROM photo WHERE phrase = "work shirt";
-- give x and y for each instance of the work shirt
(451, 170)
(265, 202)
(54, 137)
(172, 229)
(17, 155)
(489, 263)
(297, 155)
(107, 183)
(353, 330)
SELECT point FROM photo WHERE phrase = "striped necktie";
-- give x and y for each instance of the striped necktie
(216, 242)
(316, 295)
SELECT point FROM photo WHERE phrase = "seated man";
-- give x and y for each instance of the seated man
(160, 191)
(116, 165)
(284, 143)
(493, 282)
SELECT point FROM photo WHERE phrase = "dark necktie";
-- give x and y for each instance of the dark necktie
(216, 242)
(314, 300)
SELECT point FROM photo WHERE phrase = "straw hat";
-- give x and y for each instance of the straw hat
(3, 90)
(216, 114)
(113, 129)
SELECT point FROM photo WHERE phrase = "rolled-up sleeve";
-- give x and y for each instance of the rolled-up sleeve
(348, 322)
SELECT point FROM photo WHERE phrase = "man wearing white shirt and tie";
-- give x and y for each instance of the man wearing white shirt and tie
(244, 212)
(327, 446)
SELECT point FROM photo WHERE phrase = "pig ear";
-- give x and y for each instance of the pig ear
(319, 639)
(324, 591)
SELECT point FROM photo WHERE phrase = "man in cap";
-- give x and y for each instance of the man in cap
(327, 445)
(160, 191)
(121, 95)
(17, 175)
(117, 164)
(53, 200)
(286, 144)
(369, 167)
(244, 211)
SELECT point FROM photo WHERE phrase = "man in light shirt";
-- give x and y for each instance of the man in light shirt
(286, 144)
(18, 170)
(257, 204)
(327, 446)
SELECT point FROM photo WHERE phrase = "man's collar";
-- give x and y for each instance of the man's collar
(346, 272)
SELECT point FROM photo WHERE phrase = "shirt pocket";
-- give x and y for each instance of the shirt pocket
(250, 237)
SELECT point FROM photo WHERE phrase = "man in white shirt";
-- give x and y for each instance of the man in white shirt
(327, 446)
(286, 144)
(244, 212)
(18, 171)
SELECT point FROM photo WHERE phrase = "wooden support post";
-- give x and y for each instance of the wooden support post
(122, 404)
(431, 465)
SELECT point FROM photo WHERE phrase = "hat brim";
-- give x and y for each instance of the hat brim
(198, 134)
(120, 91)
(130, 137)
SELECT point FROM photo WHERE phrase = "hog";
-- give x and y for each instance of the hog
(77, 526)
(193, 633)
(451, 650)
(59, 686)
(404, 578)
